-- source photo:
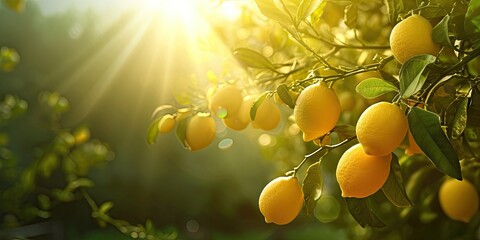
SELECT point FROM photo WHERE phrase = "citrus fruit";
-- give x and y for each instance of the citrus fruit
(412, 148)
(200, 131)
(360, 175)
(267, 116)
(412, 36)
(281, 200)
(225, 101)
(458, 199)
(235, 123)
(381, 128)
(317, 111)
(166, 124)
(244, 111)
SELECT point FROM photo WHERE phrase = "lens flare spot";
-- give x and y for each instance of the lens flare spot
(225, 143)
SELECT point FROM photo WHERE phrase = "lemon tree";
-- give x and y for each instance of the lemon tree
(374, 76)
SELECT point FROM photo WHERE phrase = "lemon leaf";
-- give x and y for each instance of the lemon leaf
(312, 187)
(350, 17)
(152, 131)
(344, 131)
(270, 9)
(440, 32)
(256, 104)
(79, 183)
(473, 117)
(428, 134)
(374, 87)
(307, 7)
(181, 132)
(472, 20)
(253, 59)
(105, 207)
(161, 108)
(394, 8)
(460, 120)
(394, 188)
(361, 212)
(412, 76)
(420, 180)
(282, 91)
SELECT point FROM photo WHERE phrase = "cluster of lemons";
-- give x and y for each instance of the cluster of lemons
(364, 168)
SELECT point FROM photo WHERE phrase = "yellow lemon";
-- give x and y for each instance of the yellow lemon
(200, 131)
(166, 124)
(317, 111)
(225, 101)
(412, 36)
(235, 123)
(267, 116)
(360, 175)
(281, 200)
(458, 199)
(244, 111)
(381, 128)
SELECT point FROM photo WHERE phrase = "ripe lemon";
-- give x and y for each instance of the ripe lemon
(235, 123)
(458, 199)
(316, 111)
(244, 111)
(412, 148)
(411, 37)
(360, 175)
(267, 116)
(225, 101)
(281, 200)
(200, 131)
(381, 128)
(166, 124)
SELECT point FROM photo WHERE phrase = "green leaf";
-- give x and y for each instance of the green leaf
(256, 104)
(350, 17)
(182, 131)
(270, 9)
(79, 183)
(15, 5)
(411, 77)
(374, 87)
(152, 131)
(362, 213)
(394, 188)
(472, 20)
(460, 120)
(440, 32)
(394, 8)
(473, 111)
(105, 207)
(48, 164)
(312, 187)
(307, 7)
(283, 93)
(251, 58)
(428, 134)
(344, 131)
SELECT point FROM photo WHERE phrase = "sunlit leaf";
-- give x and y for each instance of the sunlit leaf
(161, 108)
(251, 58)
(394, 8)
(428, 134)
(473, 111)
(152, 131)
(359, 209)
(394, 188)
(440, 32)
(344, 131)
(472, 20)
(312, 187)
(283, 93)
(105, 207)
(307, 7)
(460, 120)
(412, 76)
(270, 9)
(15, 5)
(350, 17)
(182, 131)
(374, 87)
(256, 104)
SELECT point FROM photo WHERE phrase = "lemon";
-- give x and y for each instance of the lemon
(381, 128)
(412, 36)
(200, 131)
(225, 101)
(281, 200)
(317, 111)
(235, 123)
(267, 116)
(244, 111)
(166, 124)
(412, 148)
(458, 199)
(360, 175)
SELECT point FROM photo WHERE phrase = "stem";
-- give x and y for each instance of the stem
(90, 200)
(473, 54)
